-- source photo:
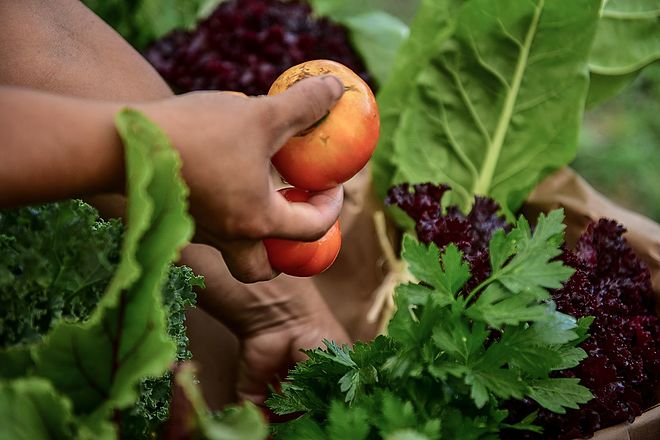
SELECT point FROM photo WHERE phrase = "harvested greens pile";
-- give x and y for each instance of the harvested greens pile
(458, 346)
(484, 341)
(610, 284)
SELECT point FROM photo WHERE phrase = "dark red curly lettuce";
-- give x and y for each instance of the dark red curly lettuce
(471, 232)
(610, 283)
(245, 44)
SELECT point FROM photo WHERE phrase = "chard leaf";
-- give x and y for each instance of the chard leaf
(627, 40)
(31, 409)
(431, 26)
(499, 105)
(375, 34)
(559, 394)
(603, 87)
(98, 364)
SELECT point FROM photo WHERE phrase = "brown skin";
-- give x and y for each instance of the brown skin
(61, 84)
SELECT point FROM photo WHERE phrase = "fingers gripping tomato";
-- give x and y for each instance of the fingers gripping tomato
(334, 149)
(300, 258)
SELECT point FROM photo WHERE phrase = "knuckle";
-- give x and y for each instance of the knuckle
(269, 116)
(254, 274)
(253, 228)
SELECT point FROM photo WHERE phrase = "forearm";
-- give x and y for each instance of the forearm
(56, 147)
(71, 51)
(62, 47)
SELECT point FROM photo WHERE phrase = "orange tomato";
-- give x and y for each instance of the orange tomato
(335, 148)
(300, 258)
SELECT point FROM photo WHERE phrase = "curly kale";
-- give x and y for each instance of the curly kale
(57, 261)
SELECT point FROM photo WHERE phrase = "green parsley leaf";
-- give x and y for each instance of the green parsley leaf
(559, 394)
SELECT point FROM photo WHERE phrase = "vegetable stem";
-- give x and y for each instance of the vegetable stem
(483, 182)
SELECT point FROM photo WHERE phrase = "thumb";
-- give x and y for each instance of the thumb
(303, 104)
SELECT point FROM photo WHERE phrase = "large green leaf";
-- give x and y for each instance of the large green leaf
(430, 28)
(627, 40)
(603, 87)
(30, 409)
(500, 104)
(377, 36)
(628, 37)
(99, 363)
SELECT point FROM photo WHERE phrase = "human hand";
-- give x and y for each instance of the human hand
(273, 320)
(226, 143)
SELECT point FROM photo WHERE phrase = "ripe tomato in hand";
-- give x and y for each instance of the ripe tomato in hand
(335, 148)
(300, 258)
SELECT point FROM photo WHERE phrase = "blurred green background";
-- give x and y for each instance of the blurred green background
(620, 146)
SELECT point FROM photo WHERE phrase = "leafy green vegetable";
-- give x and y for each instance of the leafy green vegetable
(126, 332)
(627, 40)
(452, 355)
(152, 407)
(58, 259)
(432, 25)
(61, 257)
(375, 34)
(94, 366)
(31, 409)
(499, 106)
(627, 37)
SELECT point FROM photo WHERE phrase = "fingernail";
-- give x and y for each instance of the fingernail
(336, 86)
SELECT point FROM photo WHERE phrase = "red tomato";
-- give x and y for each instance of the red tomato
(334, 149)
(300, 258)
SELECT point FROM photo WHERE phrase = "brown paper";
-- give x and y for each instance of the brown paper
(349, 286)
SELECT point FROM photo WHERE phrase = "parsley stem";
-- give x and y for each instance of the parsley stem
(483, 284)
